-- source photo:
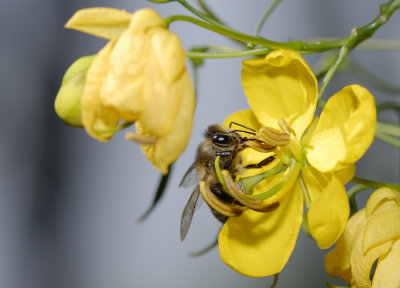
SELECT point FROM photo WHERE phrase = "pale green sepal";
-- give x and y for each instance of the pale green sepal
(68, 100)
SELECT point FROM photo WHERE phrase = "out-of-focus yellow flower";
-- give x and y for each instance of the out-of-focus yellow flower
(372, 234)
(139, 76)
(319, 158)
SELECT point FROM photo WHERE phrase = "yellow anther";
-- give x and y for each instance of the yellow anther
(221, 207)
(254, 204)
(260, 146)
(141, 139)
(286, 127)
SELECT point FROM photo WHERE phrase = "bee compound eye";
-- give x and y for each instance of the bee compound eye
(221, 139)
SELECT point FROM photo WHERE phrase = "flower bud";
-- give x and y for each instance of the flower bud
(68, 99)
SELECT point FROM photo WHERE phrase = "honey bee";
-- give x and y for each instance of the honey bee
(222, 142)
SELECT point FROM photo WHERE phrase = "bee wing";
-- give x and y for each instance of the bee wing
(190, 178)
(188, 211)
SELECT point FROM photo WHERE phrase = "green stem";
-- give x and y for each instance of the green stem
(242, 53)
(372, 79)
(275, 282)
(159, 193)
(208, 12)
(266, 15)
(228, 32)
(357, 36)
(251, 181)
(388, 106)
(335, 286)
(375, 184)
(344, 51)
(208, 18)
(389, 129)
(388, 139)
(351, 194)
(293, 171)
(205, 249)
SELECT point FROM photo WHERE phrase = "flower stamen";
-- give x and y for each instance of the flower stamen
(254, 204)
(221, 207)
(141, 139)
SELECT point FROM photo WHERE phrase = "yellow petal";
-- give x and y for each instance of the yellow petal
(379, 197)
(244, 117)
(329, 211)
(100, 21)
(387, 271)
(345, 129)
(361, 264)
(163, 90)
(337, 261)
(145, 81)
(144, 19)
(346, 174)
(169, 54)
(68, 99)
(168, 148)
(259, 244)
(96, 118)
(123, 87)
(382, 226)
(281, 86)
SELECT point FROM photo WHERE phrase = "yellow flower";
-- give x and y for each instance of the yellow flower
(372, 234)
(319, 159)
(139, 76)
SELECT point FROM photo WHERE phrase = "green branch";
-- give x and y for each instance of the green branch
(356, 36)
(266, 15)
(231, 54)
(375, 184)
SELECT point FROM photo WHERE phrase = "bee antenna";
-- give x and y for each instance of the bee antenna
(241, 125)
(244, 131)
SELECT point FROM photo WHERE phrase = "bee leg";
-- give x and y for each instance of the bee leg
(219, 192)
(264, 162)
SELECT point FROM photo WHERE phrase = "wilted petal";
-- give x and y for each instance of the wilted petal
(146, 76)
(382, 226)
(330, 208)
(100, 21)
(68, 99)
(379, 197)
(337, 261)
(281, 86)
(124, 84)
(168, 148)
(387, 271)
(163, 90)
(96, 118)
(345, 129)
(259, 244)
(361, 263)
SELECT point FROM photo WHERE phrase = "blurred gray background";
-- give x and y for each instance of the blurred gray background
(69, 204)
